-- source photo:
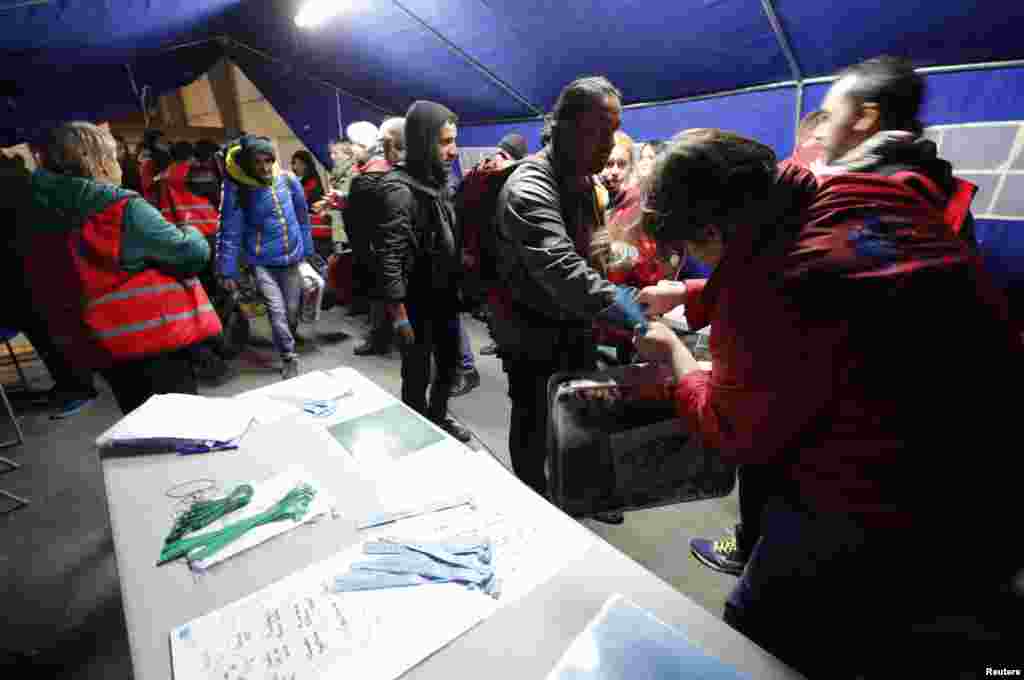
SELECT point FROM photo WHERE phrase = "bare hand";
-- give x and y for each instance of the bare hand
(406, 336)
(662, 299)
(659, 343)
(319, 206)
(468, 261)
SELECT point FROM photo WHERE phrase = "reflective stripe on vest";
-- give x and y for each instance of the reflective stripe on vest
(98, 313)
(182, 207)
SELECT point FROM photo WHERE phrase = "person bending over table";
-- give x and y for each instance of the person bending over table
(827, 308)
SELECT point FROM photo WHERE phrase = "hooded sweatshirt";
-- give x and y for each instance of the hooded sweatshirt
(423, 125)
(415, 240)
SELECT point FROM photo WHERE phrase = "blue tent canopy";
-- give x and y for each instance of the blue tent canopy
(501, 63)
(488, 61)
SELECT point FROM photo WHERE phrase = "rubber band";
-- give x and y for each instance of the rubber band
(213, 487)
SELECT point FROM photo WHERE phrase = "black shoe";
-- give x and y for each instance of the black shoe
(456, 430)
(369, 348)
(489, 350)
(611, 517)
(465, 382)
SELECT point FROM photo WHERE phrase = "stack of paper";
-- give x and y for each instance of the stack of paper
(172, 421)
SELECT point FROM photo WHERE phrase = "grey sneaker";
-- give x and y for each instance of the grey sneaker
(290, 368)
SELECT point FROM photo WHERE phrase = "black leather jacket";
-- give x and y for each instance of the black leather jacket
(555, 294)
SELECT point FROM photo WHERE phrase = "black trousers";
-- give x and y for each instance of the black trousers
(528, 390)
(71, 382)
(435, 324)
(133, 382)
(756, 484)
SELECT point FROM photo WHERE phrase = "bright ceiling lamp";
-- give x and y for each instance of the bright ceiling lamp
(315, 12)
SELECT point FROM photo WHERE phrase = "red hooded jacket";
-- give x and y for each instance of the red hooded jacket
(836, 352)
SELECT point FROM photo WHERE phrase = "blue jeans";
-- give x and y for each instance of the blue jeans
(467, 362)
(281, 288)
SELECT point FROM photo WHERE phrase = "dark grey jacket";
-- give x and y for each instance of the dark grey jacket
(553, 291)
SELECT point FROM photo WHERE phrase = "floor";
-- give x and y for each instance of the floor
(61, 600)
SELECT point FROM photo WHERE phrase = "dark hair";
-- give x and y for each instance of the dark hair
(708, 176)
(892, 83)
(580, 95)
(307, 158)
(545, 131)
(182, 151)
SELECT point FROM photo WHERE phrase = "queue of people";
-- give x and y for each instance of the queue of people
(824, 280)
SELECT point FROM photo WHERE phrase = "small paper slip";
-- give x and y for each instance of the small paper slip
(170, 421)
(624, 642)
(676, 319)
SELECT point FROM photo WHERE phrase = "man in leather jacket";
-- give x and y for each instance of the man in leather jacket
(550, 295)
(419, 256)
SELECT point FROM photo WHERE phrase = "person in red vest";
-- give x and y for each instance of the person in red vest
(154, 157)
(180, 204)
(829, 374)
(113, 279)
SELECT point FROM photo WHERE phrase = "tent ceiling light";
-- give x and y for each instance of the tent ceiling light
(315, 12)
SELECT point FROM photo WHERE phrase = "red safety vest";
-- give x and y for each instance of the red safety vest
(182, 207)
(98, 313)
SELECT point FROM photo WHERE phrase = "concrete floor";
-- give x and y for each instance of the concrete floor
(62, 601)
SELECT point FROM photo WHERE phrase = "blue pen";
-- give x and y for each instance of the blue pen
(208, 447)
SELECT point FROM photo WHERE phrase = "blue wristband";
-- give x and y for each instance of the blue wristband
(401, 322)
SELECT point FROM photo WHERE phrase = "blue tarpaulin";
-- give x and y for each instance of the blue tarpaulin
(501, 60)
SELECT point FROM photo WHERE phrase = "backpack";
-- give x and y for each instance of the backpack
(476, 207)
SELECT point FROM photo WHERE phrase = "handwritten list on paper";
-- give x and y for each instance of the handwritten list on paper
(299, 629)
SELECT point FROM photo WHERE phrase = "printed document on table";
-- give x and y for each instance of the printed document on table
(299, 629)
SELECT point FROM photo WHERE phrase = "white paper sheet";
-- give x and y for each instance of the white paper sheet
(528, 548)
(299, 629)
(170, 418)
(265, 495)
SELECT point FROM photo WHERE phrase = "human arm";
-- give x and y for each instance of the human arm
(148, 239)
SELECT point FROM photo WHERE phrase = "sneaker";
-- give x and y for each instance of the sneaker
(368, 348)
(290, 368)
(465, 382)
(489, 350)
(71, 407)
(722, 555)
(456, 430)
(611, 517)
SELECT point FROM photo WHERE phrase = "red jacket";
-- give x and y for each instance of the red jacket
(829, 355)
(180, 206)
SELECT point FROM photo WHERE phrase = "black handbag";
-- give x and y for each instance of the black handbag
(616, 444)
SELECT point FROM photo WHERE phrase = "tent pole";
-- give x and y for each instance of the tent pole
(341, 126)
(787, 50)
(455, 49)
(324, 83)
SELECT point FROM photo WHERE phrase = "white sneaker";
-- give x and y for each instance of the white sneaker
(290, 368)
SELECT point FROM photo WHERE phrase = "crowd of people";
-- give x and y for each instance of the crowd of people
(861, 435)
